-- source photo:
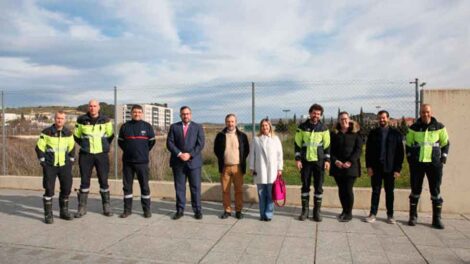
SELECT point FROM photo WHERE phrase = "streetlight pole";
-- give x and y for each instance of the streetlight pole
(417, 99)
(286, 111)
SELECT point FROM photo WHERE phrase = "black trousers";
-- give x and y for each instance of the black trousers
(129, 171)
(86, 163)
(389, 186)
(434, 174)
(65, 179)
(180, 174)
(309, 170)
(345, 192)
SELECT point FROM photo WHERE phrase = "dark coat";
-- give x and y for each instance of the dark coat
(346, 147)
(136, 139)
(243, 148)
(192, 144)
(394, 152)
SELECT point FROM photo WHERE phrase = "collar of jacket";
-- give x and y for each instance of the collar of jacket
(420, 122)
(225, 130)
(54, 130)
(99, 117)
(353, 127)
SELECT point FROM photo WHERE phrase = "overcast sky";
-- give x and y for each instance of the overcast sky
(66, 52)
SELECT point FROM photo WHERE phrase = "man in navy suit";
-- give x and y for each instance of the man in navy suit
(185, 142)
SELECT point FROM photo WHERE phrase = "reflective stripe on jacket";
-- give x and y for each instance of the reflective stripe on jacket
(54, 147)
(93, 135)
(427, 142)
(312, 142)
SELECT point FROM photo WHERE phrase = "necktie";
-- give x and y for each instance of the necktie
(185, 130)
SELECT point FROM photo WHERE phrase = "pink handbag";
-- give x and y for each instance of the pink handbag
(279, 191)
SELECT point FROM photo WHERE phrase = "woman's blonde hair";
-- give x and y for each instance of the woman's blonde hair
(271, 130)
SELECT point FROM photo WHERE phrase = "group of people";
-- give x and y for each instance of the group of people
(317, 149)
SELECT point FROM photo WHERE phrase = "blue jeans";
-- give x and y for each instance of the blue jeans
(266, 204)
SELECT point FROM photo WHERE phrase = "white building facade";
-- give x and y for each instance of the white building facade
(158, 115)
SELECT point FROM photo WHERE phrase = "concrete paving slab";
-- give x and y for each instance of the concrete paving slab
(437, 255)
(422, 235)
(366, 248)
(265, 245)
(98, 239)
(399, 249)
(462, 253)
(297, 250)
(222, 257)
(163, 249)
(305, 228)
(333, 247)
(233, 242)
(256, 259)
(180, 229)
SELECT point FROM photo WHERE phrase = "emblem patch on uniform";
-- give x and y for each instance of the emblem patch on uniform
(143, 132)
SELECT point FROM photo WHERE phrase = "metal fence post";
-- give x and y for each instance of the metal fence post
(4, 144)
(416, 83)
(115, 135)
(253, 122)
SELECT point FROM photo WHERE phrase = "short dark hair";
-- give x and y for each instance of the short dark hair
(383, 112)
(229, 115)
(136, 106)
(316, 107)
(185, 107)
(343, 113)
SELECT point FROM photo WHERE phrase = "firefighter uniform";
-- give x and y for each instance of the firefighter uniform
(55, 151)
(94, 135)
(427, 146)
(312, 148)
(136, 139)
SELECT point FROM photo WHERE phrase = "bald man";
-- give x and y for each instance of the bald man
(94, 134)
(427, 146)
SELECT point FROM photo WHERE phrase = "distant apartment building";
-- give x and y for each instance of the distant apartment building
(158, 115)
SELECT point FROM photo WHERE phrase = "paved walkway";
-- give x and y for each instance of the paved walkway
(24, 238)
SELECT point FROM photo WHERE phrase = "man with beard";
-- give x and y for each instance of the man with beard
(312, 157)
(384, 158)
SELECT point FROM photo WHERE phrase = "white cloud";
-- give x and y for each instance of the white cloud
(147, 18)
(172, 43)
(21, 68)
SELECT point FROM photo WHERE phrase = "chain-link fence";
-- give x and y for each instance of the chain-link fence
(284, 102)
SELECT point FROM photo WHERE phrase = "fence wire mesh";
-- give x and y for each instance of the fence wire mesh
(281, 101)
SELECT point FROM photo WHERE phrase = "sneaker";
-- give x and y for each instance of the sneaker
(370, 219)
(391, 220)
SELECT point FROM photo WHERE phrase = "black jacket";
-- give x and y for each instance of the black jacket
(243, 148)
(136, 139)
(394, 152)
(346, 147)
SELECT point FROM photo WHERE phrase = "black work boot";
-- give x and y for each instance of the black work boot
(304, 214)
(146, 207)
(82, 201)
(64, 208)
(436, 216)
(105, 199)
(413, 211)
(317, 210)
(48, 217)
(127, 208)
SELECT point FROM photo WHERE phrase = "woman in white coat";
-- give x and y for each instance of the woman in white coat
(265, 164)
